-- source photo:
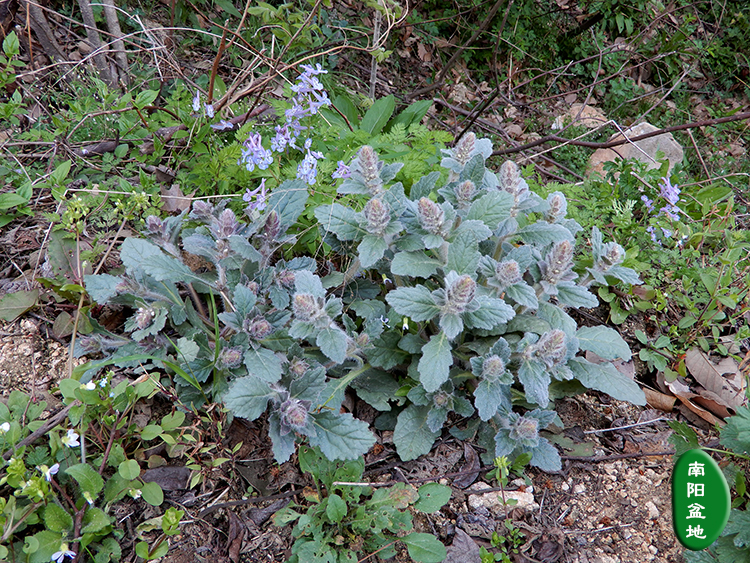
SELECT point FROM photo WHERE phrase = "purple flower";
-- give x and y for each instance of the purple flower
(222, 125)
(286, 136)
(209, 110)
(197, 102)
(342, 171)
(259, 194)
(253, 154)
(649, 203)
(308, 168)
(669, 192)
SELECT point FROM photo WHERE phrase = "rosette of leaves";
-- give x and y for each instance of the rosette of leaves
(484, 271)
(226, 329)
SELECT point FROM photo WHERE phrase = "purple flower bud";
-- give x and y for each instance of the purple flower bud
(465, 192)
(431, 216)
(226, 224)
(507, 273)
(462, 151)
(273, 226)
(509, 176)
(306, 308)
(551, 348)
(144, 317)
(368, 166)
(230, 357)
(378, 215)
(459, 294)
(285, 278)
(222, 248)
(363, 340)
(613, 254)
(558, 207)
(202, 210)
(441, 400)
(254, 287)
(493, 368)
(258, 328)
(298, 367)
(154, 225)
(525, 430)
(293, 414)
(558, 262)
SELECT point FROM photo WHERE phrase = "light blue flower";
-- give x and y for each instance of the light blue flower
(259, 194)
(253, 154)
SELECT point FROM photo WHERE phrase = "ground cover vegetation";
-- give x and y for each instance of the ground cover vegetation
(275, 240)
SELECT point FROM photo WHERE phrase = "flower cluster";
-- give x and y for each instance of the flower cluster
(253, 154)
(671, 194)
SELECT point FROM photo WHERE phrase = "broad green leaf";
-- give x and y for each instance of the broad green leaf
(386, 354)
(422, 187)
(341, 221)
(463, 255)
(489, 396)
(523, 294)
(535, 379)
(346, 107)
(288, 200)
(336, 508)
(263, 364)
(248, 397)
(491, 312)
(435, 362)
(432, 497)
(491, 208)
(152, 493)
(412, 436)
(378, 115)
(604, 377)
(16, 304)
(574, 295)
(603, 341)
(10, 200)
(145, 98)
(57, 519)
(416, 264)
(424, 548)
(414, 302)
(736, 434)
(451, 325)
(412, 114)
(544, 234)
(333, 343)
(47, 542)
(341, 436)
(545, 456)
(88, 479)
(101, 287)
(371, 249)
(95, 520)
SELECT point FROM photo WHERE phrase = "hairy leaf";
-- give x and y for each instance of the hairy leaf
(248, 397)
(491, 208)
(341, 436)
(416, 264)
(341, 221)
(263, 364)
(333, 343)
(435, 362)
(605, 378)
(603, 341)
(414, 302)
(412, 436)
(371, 249)
(463, 255)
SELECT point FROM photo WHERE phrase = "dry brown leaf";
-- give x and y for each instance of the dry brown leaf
(424, 53)
(714, 403)
(659, 400)
(683, 392)
(570, 98)
(723, 379)
(174, 200)
(472, 467)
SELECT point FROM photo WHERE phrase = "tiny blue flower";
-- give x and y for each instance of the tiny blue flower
(259, 194)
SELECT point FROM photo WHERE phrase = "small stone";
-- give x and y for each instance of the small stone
(579, 488)
(565, 487)
(653, 511)
(493, 501)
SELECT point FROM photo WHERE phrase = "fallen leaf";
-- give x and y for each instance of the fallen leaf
(463, 549)
(683, 392)
(660, 401)
(169, 478)
(472, 467)
(423, 53)
(16, 304)
(174, 200)
(723, 379)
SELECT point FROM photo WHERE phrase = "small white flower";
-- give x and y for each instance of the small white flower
(135, 493)
(90, 386)
(62, 554)
(71, 439)
(4, 427)
(48, 472)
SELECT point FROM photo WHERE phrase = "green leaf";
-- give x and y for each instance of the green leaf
(414, 302)
(386, 353)
(150, 432)
(145, 98)
(422, 187)
(463, 255)
(341, 221)
(412, 114)
(574, 295)
(88, 479)
(491, 313)
(335, 508)
(345, 106)
(605, 378)
(378, 115)
(736, 434)
(248, 397)
(451, 324)
(371, 249)
(333, 343)
(10, 199)
(535, 379)
(489, 396)
(129, 469)
(523, 294)
(435, 362)
(16, 304)
(739, 523)
(340, 436)
(544, 234)
(432, 497)
(412, 436)
(424, 548)
(47, 543)
(95, 520)
(604, 342)
(416, 264)
(57, 519)
(102, 287)
(491, 209)
(288, 200)
(263, 364)
(152, 493)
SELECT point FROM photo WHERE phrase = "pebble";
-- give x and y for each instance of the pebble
(494, 500)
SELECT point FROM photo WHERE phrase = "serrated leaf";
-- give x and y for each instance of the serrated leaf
(341, 221)
(535, 379)
(386, 354)
(489, 396)
(48, 543)
(545, 456)
(523, 294)
(307, 282)
(424, 548)
(102, 287)
(491, 312)
(451, 325)
(371, 249)
(288, 200)
(574, 295)
(87, 478)
(544, 234)
(463, 255)
(477, 229)
(432, 497)
(739, 523)
(333, 343)
(378, 115)
(435, 362)
(57, 519)
(492, 208)
(263, 364)
(243, 247)
(414, 302)
(422, 187)
(605, 377)
(248, 397)
(376, 387)
(340, 436)
(416, 264)
(736, 434)
(604, 342)
(412, 436)
(625, 275)
(282, 446)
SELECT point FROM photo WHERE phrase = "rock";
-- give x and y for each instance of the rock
(644, 150)
(653, 511)
(493, 501)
